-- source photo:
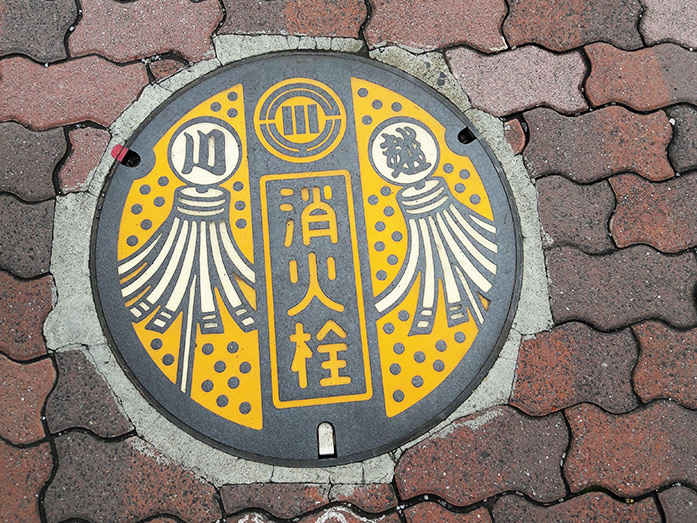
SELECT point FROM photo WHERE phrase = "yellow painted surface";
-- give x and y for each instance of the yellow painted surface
(383, 243)
(227, 105)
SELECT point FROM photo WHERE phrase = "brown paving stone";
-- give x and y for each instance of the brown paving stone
(612, 291)
(377, 497)
(679, 504)
(667, 366)
(26, 231)
(663, 215)
(27, 161)
(505, 449)
(670, 20)
(520, 79)
(566, 24)
(125, 480)
(430, 512)
(129, 31)
(589, 366)
(23, 391)
(25, 305)
(36, 29)
(514, 134)
(588, 507)
(598, 144)
(85, 89)
(83, 399)
(644, 80)
(165, 68)
(88, 145)
(634, 453)
(342, 18)
(683, 146)
(577, 215)
(23, 473)
(432, 25)
(284, 500)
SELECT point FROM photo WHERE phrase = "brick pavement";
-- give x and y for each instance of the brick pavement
(600, 101)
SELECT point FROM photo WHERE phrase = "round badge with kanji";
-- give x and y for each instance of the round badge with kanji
(316, 258)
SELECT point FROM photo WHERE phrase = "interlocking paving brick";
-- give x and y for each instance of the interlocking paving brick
(125, 480)
(432, 25)
(85, 89)
(573, 214)
(25, 305)
(588, 507)
(566, 24)
(683, 146)
(87, 147)
(329, 515)
(27, 161)
(598, 144)
(520, 79)
(613, 291)
(634, 453)
(26, 231)
(515, 135)
(129, 31)
(644, 80)
(430, 512)
(679, 504)
(165, 68)
(284, 500)
(589, 366)
(670, 20)
(36, 29)
(83, 399)
(667, 366)
(23, 391)
(342, 18)
(23, 473)
(663, 215)
(376, 497)
(508, 451)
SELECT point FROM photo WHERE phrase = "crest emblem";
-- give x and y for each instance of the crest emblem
(318, 252)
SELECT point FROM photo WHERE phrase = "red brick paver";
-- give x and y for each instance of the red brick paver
(598, 144)
(618, 289)
(634, 453)
(164, 68)
(23, 390)
(341, 18)
(589, 366)
(667, 366)
(25, 305)
(28, 159)
(377, 497)
(430, 512)
(85, 89)
(566, 24)
(432, 25)
(663, 215)
(88, 145)
(284, 500)
(509, 451)
(577, 215)
(129, 31)
(588, 507)
(644, 80)
(125, 480)
(501, 84)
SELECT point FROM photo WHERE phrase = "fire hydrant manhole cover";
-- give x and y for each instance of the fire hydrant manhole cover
(316, 259)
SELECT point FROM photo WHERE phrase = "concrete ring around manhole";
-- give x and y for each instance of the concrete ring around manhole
(310, 258)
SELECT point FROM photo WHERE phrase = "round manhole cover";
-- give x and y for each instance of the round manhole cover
(316, 258)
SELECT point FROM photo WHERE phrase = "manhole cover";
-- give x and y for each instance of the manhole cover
(315, 260)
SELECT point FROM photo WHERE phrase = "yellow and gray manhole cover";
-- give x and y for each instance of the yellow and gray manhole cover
(316, 259)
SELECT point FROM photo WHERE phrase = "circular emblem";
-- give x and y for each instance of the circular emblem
(307, 271)
(300, 120)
